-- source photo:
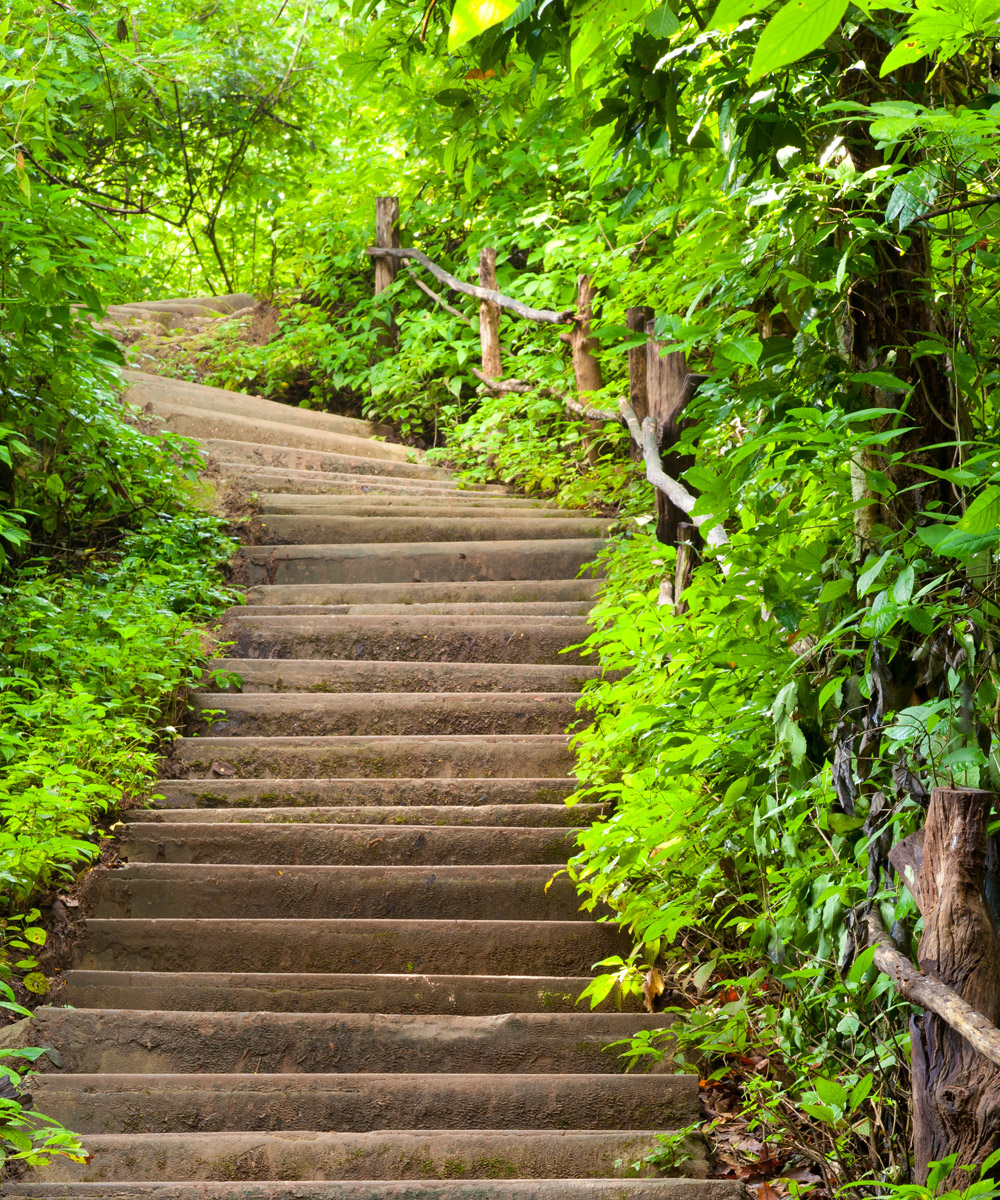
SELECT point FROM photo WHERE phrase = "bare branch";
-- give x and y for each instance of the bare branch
(436, 298)
(502, 387)
(544, 315)
(913, 985)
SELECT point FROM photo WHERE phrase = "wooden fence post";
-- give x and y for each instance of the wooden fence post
(956, 1091)
(669, 387)
(635, 322)
(583, 348)
(386, 237)
(489, 316)
(686, 533)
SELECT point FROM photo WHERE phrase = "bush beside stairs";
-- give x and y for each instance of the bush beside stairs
(330, 967)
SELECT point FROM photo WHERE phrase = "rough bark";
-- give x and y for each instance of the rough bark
(489, 315)
(956, 1091)
(583, 348)
(386, 237)
(635, 322)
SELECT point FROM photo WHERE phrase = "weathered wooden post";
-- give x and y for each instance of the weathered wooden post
(635, 322)
(669, 387)
(386, 237)
(956, 1090)
(686, 534)
(489, 316)
(583, 348)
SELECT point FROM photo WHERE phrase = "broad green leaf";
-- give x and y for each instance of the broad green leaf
(882, 380)
(830, 1092)
(731, 12)
(469, 18)
(983, 514)
(662, 22)
(833, 589)
(902, 589)
(868, 577)
(905, 51)
(795, 30)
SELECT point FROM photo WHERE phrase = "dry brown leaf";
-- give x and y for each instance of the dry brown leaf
(653, 985)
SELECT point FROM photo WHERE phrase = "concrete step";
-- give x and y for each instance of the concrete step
(423, 1189)
(394, 639)
(513, 756)
(538, 608)
(307, 529)
(223, 305)
(366, 1103)
(209, 426)
(343, 845)
(269, 713)
(349, 482)
(350, 945)
(536, 815)
(315, 675)
(293, 461)
(318, 992)
(258, 793)
(477, 892)
(144, 389)
(143, 1042)
(479, 1154)
(372, 504)
(505, 591)
(431, 562)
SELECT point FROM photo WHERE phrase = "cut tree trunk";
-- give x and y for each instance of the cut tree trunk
(956, 1091)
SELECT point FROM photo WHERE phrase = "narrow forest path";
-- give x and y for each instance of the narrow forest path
(330, 967)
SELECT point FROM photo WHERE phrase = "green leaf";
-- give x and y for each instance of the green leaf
(983, 514)
(795, 30)
(830, 1092)
(905, 51)
(882, 380)
(902, 589)
(868, 578)
(662, 22)
(731, 12)
(833, 589)
(469, 18)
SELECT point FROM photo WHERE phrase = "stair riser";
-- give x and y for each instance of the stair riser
(478, 893)
(505, 1189)
(428, 563)
(253, 793)
(345, 845)
(383, 713)
(459, 505)
(565, 608)
(390, 1155)
(406, 994)
(351, 946)
(206, 426)
(347, 482)
(365, 1103)
(544, 756)
(480, 641)
(259, 455)
(333, 675)
(258, 1042)
(307, 530)
(536, 815)
(510, 591)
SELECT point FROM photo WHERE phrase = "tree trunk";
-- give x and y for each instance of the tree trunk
(489, 316)
(956, 1092)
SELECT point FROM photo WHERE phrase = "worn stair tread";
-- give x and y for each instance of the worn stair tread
(143, 1041)
(315, 675)
(321, 992)
(241, 454)
(214, 399)
(477, 891)
(463, 591)
(393, 1154)
(423, 1189)
(305, 529)
(214, 793)
(390, 503)
(490, 815)
(499, 608)
(401, 562)
(473, 755)
(361, 1103)
(265, 713)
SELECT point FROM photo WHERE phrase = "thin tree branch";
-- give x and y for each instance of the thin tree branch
(519, 386)
(436, 298)
(544, 315)
(913, 985)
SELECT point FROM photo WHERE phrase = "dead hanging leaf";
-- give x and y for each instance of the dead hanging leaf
(653, 985)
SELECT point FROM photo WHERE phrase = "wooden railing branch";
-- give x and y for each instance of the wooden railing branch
(913, 985)
(647, 438)
(506, 387)
(544, 315)
(439, 300)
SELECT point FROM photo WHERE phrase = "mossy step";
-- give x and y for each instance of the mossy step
(512, 591)
(308, 528)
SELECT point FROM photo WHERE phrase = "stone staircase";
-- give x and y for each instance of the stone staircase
(331, 968)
